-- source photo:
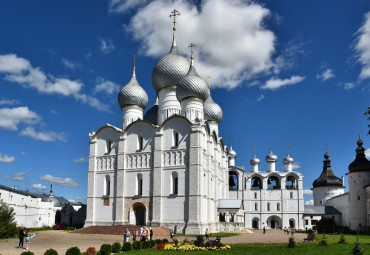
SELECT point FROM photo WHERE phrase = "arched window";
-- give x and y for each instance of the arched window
(256, 206)
(174, 183)
(268, 206)
(140, 144)
(139, 185)
(108, 148)
(278, 206)
(233, 180)
(291, 183)
(256, 183)
(273, 183)
(176, 139)
(107, 185)
(255, 195)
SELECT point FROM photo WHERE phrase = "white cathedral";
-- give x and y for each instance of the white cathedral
(171, 168)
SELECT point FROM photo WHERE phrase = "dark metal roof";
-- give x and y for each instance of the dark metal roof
(327, 177)
(360, 164)
(152, 114)
(320, 210)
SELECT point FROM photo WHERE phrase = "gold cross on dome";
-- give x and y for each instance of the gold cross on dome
(173, 15)
(209, 81)
(134, 57)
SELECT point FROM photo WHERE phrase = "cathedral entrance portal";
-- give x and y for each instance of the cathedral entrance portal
(138, 214)
(255, 222)
(274, 222)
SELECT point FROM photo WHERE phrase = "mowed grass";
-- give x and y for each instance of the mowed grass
(282, 249)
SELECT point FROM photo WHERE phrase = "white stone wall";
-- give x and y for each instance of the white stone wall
(357, 199)
(322, 194)
(341, 204)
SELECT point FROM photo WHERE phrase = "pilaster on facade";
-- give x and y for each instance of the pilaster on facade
(120, 179)
(157, 180)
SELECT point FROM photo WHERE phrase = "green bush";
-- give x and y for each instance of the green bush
(105, 249)
(73, 251)
(357, 250)
(127, 246)
(136, 245)
(200, 240)
(70, 228)
(146, 245)
(27, 253)
(327, 225)
(323, 243)
(164, 240)
(152, 243)
(291, 243)
(8, 227)
(116, 247)
(158, 241)
(91, 251)
(51, 252)
(342, 240)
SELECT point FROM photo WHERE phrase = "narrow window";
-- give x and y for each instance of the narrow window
(255, 194)
(268, 206)
(176, 139)
(255, 206)
(139, 185)
(175, 186)
(141, 143)
(107, 185)
(358, 198)
(278, 206)
(109, 146)
(291, 194)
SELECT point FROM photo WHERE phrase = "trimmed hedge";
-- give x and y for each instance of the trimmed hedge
(91, 251)
(51, 252)
(27, 253)
(136, 245)
(105, 249)
(158, 241)
(127, 246)
(146, 245)
(152, 243)
(116, 247)
(73, 251)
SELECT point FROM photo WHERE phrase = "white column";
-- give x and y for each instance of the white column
(168, 104)
(131, 113)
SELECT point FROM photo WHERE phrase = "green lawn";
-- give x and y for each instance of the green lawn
(281, 249)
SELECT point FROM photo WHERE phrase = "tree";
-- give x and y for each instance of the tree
(326, 225)
(368, 118)
(8, 227)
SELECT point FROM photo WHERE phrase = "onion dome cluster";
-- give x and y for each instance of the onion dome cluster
(327, 177)
(212, 111)
(192, 86)
(360, 164)
(133, 94)
(169, 70)
(271, 157)
(152, 114)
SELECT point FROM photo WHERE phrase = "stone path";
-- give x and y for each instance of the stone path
(61, 240)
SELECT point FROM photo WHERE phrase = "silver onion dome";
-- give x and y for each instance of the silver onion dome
(212, 111)
(288, 160)
(232, 153)
(133, 94)
(169, 70)
(152, 114)
(192, 85)
(271, 157)
(254, 161)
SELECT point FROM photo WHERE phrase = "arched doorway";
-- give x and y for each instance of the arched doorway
(274, 222)
(255, 222)
(138, 214)
(292, 223)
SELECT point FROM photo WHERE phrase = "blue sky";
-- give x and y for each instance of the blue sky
(288, 71)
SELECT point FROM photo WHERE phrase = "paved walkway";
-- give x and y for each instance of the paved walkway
(61, 240)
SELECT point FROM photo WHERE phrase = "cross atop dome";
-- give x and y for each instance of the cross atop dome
(173, 16)
(134, 57)
(191, 53)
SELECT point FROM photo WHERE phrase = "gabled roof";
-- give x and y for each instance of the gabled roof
(320, 210)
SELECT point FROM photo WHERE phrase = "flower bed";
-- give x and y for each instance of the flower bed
(188, 247)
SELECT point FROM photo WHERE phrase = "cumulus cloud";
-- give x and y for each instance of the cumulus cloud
(22, 72)
(106, 46)
(362, 47)
(309, 203)
(44, 136)
(6, 101)
(16, 177)
(348, 85)
(70, 64)
(325, 75)
(261, 97)
(67, 182)
(10, 118)
(367, 153)
(276, 83)
(107, 87)
(6, 158)
(38, 186)
(288, 56)
(232, 43)
(296, 165)
(121, 6)
(307, 192)
(81, 159)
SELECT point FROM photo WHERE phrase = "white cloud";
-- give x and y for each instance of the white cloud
(232, 43)
(67, 182)
(106, 46)
(34, 77)
(296, 165)
(11, 117)
(362, 47)
(121, 6)
(81, 159)
(6, 158)
(275, 83)
(38, 186)
(326, 75)
(70, 64)
(348, 85)
(307, 192)
(367, 153)
(309, 203)
(6, 101)
(16, 177)
(261, 97)
(44, 136)
(10, 63)
(107, 87)
(288, 57)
